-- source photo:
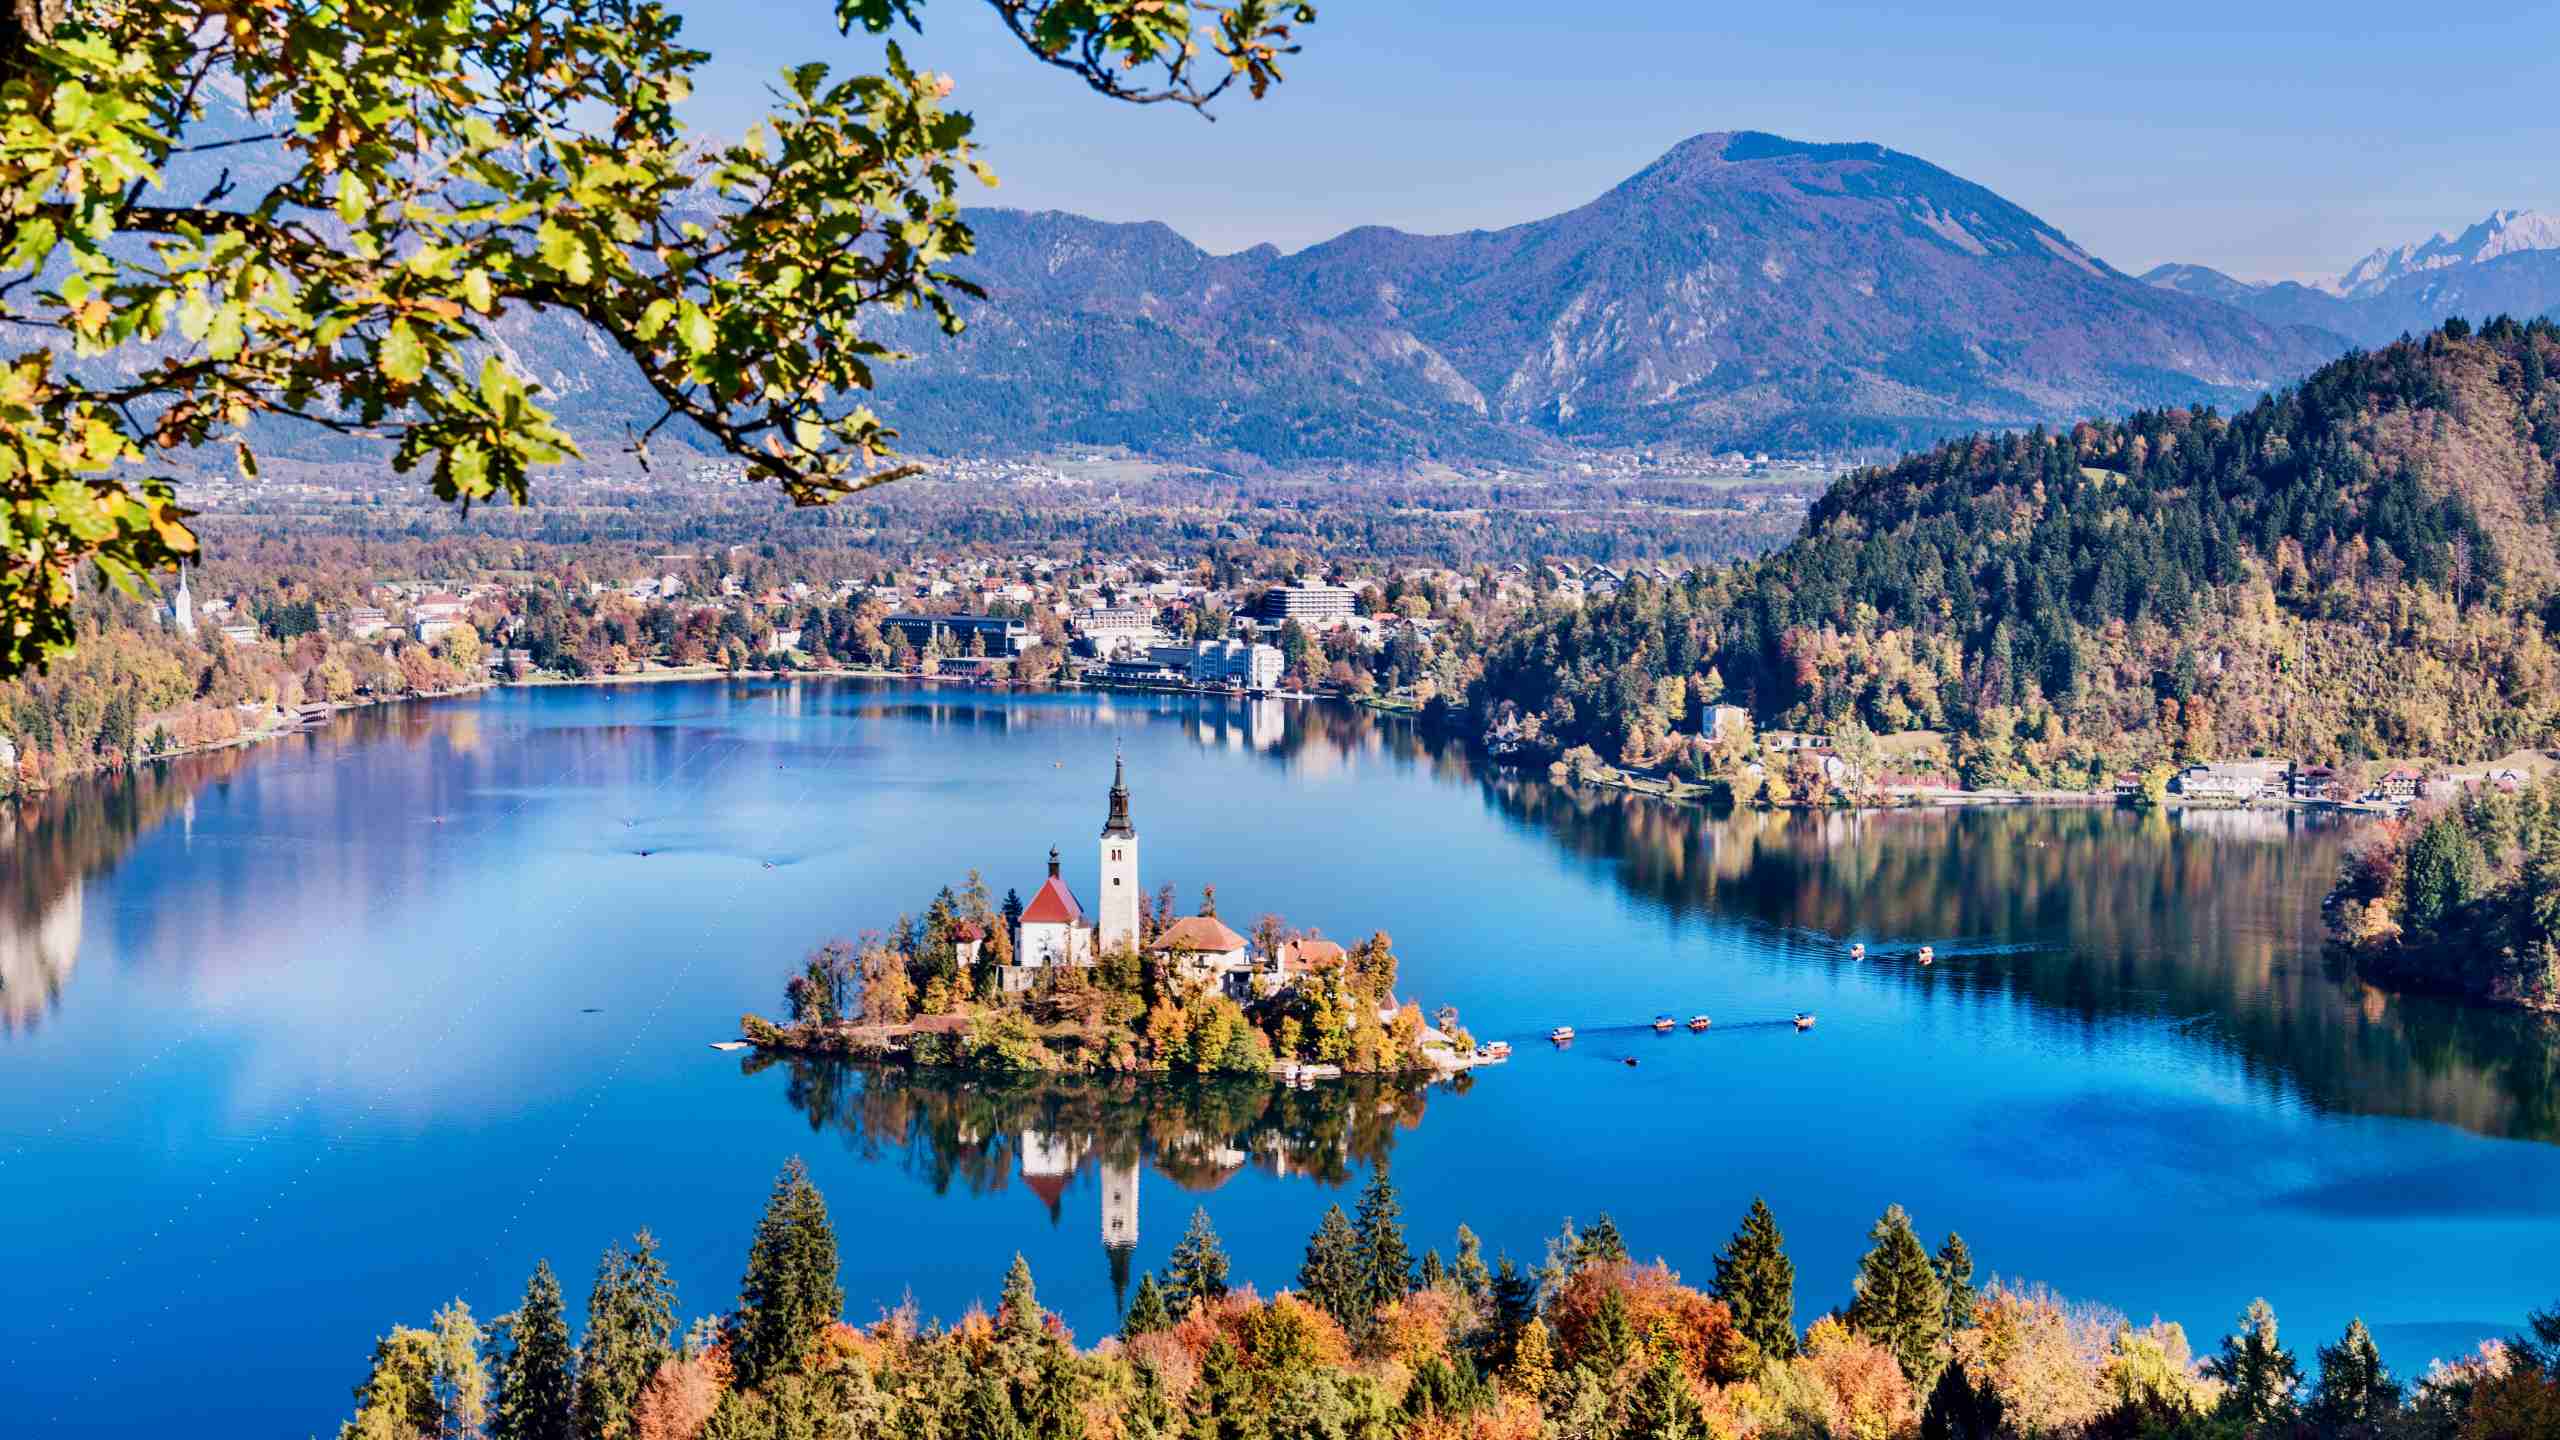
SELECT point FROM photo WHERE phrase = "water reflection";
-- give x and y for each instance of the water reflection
(51, 844)
(2207, 920)
(988, 1135)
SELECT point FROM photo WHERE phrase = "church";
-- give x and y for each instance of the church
(1056, 929)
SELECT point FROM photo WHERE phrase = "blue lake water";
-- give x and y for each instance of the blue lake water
(298, 1043)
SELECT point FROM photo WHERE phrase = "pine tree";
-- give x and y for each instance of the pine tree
(1954, 1267)
(1473, 1279)
(1533, 1361)
(630, 1333)
(1432, 1272)
(1330, 1278)
(1662, 1407)
(1198, 1270)
(1018, 1312)
(1054, 1410)
(535, 1371)
(1899, 1302)
(791, 1288)
(1515, 1305)
(1147, 1312)
(2260, 1376)
(1612, 1337)
(1602, 1245)
(1756, 1280)
(1386, 1266)
(2355, 1393)
(986, 1410)
(1220, 1407)
(1959, 1409)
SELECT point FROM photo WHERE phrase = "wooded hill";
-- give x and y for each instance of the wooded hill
(2366, 565)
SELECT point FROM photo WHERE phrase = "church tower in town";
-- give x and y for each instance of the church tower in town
(1119, 902)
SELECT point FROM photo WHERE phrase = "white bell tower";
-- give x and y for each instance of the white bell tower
(1119, 899)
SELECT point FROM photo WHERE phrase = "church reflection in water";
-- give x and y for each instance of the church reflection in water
(1055, 1137)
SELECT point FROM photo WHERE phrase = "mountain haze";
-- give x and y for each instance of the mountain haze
(2508, 264)
(1743, 292)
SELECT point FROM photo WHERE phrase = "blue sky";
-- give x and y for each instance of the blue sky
(2265, 137)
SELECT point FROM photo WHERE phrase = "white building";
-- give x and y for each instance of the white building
(1053, 929)
(1237, 664)
(1119, 849)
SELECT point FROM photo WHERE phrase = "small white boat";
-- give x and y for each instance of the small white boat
(1928, 955)
(1699, 1022)
(1857, 952)
(1803, 1021)
(1562, 1034)
(1662, 1024)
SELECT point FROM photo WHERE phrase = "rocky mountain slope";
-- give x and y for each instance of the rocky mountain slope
(1743, 292)
(2508, 264)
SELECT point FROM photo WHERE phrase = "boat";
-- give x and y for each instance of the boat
(1562, 1034)
(1662, 1024)
(1928, 955)
(1803, 1021)
(1498, 1050)
(1857, 952)
(1631, 1060)
(1699, 1022)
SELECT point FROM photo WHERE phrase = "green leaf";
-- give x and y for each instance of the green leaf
(693, 327)
(403, 356)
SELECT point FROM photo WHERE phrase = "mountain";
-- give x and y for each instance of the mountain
(2508, 264)
(1743, 292)
(2366, 565)
(2505, 232)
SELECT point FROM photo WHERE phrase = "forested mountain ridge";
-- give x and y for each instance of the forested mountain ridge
(2365, 565)
(1744, 291)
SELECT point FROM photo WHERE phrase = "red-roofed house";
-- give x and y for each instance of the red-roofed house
(1054, 928)
(1201, 947)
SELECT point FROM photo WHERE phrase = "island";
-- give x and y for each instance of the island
(1128, 987)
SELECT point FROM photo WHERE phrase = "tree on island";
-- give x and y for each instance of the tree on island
(790, 1290)
(2355, 1395)
(1147, 1310)
(1953, 1265)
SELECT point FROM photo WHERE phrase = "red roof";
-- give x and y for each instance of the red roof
(1199, 935)
(1315, 950)
(1054, 905)
(1050, 1188)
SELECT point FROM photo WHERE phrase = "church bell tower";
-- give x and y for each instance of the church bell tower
(1119, 901)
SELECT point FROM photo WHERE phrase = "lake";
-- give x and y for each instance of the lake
(297, 1043)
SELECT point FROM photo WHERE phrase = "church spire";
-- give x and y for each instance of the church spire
(1118, 826)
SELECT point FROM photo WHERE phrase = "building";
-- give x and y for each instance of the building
(366, 621)
(1727, 723)
(1110, 630)
(1119, 848)
(1201, 948)
(438, 607)
(1308, 602)
(2401, 784)
(784, 640)
(430, 629)
(2219, 782)
(182, 607)
(239, 634)
(994, 634)
(2312, 782)
(1790, 741)
(1053, 931)
(1223, 664)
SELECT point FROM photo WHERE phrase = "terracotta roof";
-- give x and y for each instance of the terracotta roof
(1054, 905)
(1314, 950)
(1050, 1188)
(1198, 935)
